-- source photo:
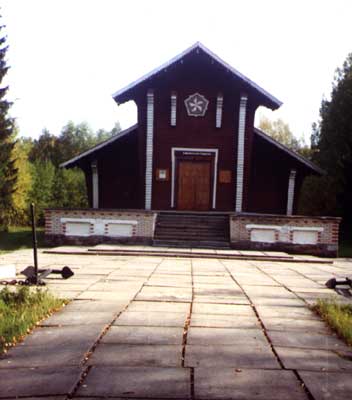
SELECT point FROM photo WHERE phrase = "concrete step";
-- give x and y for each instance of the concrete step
(207, 244)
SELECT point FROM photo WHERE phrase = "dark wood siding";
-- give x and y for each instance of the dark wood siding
(196, 132)
(270, 170)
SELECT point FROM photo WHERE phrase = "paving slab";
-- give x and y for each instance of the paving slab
(38, 381)
(307, 340)
(58, 356)
(141, 318)
(83, 318)
(159, 306)
(119, 355)
(137, 382)
(220, 291)
(49, 337)
(328, 385)
(224, 321)
(246, 384)
(225, 309)
(286, 312)
(279, 302)
(78, 306)
(313, 360)
(236, 356)
(143, 335)
(155, 293)
(205, 336)
(221, 300)
(293, 324)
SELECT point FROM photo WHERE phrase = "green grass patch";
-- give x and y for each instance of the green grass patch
(19, 238)
(345, 247)
(21, 309)
(338, 317)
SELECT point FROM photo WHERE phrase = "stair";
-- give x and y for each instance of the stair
(192, 230)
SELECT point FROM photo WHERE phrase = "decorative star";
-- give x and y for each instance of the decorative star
(196, 105)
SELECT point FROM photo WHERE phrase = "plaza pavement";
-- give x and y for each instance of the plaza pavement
(151, 327)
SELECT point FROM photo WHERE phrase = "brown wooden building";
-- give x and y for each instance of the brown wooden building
(195, 146)
(194, 170)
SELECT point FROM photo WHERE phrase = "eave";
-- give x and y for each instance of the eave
(89, 153)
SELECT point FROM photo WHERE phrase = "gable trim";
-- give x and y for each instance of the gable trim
(292, 153)
(99, 146)
(276, 103)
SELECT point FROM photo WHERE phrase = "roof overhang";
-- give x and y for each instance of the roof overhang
(122, 95)
(90, 153)
(290, 152)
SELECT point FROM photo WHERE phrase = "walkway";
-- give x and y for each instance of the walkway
(177, 328)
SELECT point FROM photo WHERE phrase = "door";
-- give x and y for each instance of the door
(194, 185)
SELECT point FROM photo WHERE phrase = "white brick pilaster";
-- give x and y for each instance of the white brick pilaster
(95, 184)
(149, 150)
(219, 102)
(291, 191)
(173, 109)
(240, 152)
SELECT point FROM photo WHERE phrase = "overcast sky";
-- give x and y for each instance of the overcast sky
(68, 56)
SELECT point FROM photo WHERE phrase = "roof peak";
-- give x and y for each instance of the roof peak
(273, 101)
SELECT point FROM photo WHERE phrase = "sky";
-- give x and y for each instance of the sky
(67, 57)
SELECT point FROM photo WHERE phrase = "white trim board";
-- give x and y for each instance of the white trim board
(173, 171)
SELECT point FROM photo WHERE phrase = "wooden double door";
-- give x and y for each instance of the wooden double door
(194, 185)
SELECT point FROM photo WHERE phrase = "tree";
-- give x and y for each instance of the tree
(20, 197)
(8, 171)
(331, 139)
(43, 175)
(280, 131)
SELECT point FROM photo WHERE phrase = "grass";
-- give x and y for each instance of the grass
(345, 247)
(19, 238)
(20, 310)
(338, 317)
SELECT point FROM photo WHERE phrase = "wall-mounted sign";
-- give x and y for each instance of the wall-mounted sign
(162, 174)
(225, 176)
(196, 105)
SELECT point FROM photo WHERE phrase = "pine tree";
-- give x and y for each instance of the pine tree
(8, 172)
(331, 141)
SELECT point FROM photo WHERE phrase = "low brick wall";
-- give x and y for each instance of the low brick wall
(294, 234)
(94, 226)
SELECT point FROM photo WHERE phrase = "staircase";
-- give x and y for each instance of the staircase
(179, 229)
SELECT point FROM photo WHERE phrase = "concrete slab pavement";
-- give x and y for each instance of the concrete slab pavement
(170, 328)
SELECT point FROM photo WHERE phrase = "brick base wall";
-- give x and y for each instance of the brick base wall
(294, 234)
(139, 226)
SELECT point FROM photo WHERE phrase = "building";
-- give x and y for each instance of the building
(195, 150)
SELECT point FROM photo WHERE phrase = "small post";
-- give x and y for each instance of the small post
(34, 240)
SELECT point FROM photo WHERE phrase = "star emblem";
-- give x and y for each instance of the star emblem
(196, 105)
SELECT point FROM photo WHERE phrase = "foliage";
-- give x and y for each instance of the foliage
(43, 173)
(331, 139)
(318, 196)
(280, 131)
(338, 316)
(40, 178)
(8, 171)
(20, 197)
(20, 310)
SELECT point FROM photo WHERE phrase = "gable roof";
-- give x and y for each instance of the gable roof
(288, 151)
(273, 101)
(121, 134)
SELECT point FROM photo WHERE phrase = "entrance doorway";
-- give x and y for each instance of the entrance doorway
(194, 185)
